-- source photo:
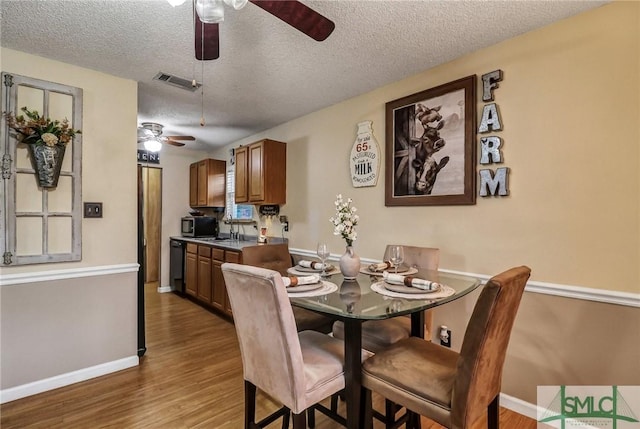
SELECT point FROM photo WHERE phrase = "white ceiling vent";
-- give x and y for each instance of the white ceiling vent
(177, 81)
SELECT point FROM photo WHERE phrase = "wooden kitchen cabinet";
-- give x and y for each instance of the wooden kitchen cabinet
(204, 278)
(191, 270)
(236, 258)
(219, 290)
(261, 173)
(204, 274)
(208, 183)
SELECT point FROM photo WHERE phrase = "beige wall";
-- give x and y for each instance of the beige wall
(570, 108)
(54, 327)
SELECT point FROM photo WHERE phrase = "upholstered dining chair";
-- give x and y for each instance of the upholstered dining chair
(277, 257)
(453, 389)
(297, 369)
(380, 334)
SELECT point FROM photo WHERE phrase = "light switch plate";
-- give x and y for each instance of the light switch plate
(92, 209)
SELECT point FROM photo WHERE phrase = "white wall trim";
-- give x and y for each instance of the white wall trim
(566, 291)
(164, 289)
(70, 273)
(18, 392)
(519, 406)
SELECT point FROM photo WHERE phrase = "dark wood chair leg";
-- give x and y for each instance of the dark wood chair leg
(300, 421)
(249, 405)
(417, 423)
(311, 417)
(493, 413)
(285, 420)
(366, 409)
(389, 414)
(334, 402)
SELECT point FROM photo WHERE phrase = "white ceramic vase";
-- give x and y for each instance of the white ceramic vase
(350, 264)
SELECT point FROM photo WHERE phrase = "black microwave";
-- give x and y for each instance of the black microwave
(199, 226)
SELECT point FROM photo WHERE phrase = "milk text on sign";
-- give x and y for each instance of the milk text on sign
(364, 160)
(491, 183)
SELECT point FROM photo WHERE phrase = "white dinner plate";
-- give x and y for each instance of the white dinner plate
(404, 270)
(407, 289)
(304, 288)
(312, 270)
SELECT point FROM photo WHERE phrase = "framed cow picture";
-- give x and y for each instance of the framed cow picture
(430, 146)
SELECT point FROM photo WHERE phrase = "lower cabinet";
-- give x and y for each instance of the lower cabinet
(203, 276)
(219, 289)
(191, 270)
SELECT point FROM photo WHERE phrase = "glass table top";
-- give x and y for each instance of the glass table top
(355, 299)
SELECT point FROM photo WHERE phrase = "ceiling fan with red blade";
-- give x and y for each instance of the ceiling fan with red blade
(294, 13)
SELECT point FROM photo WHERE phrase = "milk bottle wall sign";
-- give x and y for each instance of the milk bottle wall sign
(365, 157)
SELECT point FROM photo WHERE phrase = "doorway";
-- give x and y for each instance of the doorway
(149, 243)
(152, 222)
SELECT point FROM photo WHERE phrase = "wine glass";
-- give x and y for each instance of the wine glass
(323, 254)
(396, 257)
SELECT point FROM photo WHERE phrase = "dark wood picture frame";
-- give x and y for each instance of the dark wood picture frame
(430, 146)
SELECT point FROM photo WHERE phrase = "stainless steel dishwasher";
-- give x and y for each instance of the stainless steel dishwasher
(176, 265)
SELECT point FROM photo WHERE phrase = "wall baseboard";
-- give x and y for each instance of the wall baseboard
(519, 406)
(565, 291)
(18, 392)
(164, 289)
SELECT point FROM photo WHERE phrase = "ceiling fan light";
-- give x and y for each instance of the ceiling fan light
(175, 3)
(152, 145)
(210, 11)
(236, 4)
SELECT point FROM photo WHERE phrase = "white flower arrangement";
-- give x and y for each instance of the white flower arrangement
(345, 220)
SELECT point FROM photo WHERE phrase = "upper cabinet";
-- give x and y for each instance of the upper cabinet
(207, 183)
(261, 173)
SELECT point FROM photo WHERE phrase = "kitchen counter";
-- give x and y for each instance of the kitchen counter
(225, 242)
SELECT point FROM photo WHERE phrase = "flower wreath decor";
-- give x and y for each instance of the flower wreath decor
(46, 140)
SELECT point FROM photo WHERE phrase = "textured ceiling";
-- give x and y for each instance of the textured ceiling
(268, 73)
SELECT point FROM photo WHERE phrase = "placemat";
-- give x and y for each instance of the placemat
(444, 292)
(327, 288)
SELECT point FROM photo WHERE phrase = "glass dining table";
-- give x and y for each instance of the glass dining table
(355, 302)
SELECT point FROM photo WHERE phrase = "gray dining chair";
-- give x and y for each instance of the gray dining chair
(298, 369)
(453, 389)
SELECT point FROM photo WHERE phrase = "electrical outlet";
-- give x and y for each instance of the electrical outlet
(445, 336)
(285, 223)
(92, 209)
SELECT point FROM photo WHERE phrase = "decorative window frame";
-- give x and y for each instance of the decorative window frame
(8, 190)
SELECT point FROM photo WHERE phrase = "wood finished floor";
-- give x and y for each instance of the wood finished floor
(190, 377)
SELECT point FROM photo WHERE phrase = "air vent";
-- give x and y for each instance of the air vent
(177, 81)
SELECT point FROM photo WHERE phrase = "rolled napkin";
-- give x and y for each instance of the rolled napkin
(293, 281)
(380, 266)
(310, 264)
(398, 279)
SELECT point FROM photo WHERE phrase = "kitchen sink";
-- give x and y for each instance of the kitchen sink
(213, 239)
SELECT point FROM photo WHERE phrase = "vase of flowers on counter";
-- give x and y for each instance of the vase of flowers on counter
(46, 140)
(344, 223)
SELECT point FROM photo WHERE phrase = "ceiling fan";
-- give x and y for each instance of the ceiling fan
(294, 13)
(150, 133)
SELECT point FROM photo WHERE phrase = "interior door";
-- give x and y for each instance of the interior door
(152, 218)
